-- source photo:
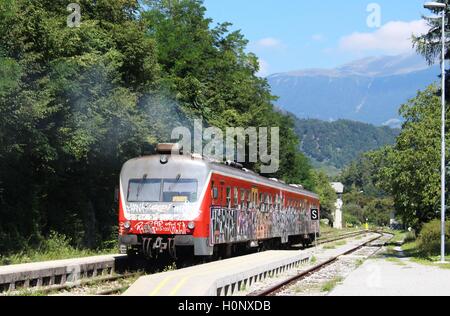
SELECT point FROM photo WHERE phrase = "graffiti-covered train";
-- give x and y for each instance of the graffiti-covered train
(179, 205)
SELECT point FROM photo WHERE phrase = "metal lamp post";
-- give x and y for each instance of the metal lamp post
(443, 8)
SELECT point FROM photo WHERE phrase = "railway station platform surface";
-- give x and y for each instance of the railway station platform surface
(218, 278)
(381, 277)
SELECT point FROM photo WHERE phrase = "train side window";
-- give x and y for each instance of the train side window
(236, 198)
(266, 202)
(215, 193)
(242, 199)
(262, 206)
(255, 203)
(228, 199)
(261, 198)
(249, 198)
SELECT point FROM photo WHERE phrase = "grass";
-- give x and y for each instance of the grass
(330, 231)
(28, 292)
(399, 236)
(397, 261)
(313, 260)
(55, 247)
(171, 267)
(411, 250)
(330, 285)
(335, 244)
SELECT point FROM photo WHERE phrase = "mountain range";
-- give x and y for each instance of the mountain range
(369, 90)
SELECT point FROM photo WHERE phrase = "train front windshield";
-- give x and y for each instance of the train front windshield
(163, 190)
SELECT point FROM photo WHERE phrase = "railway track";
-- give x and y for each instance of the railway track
(65, 277)
(284, 287)
(325, 240)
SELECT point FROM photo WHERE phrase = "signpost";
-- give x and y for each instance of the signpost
(314, 218)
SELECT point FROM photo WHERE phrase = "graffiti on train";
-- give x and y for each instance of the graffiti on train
(230, 225)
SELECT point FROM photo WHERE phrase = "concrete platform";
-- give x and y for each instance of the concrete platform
(380, 277)
(221, 278)
(46, 273)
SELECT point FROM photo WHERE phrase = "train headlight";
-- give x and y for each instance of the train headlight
(191, 225)
(127, 225)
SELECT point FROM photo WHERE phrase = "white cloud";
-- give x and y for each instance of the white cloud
(393, 123)
(269, 42)
(392, 38)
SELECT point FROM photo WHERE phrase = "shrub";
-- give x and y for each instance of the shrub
(410, 237)
(429, 241)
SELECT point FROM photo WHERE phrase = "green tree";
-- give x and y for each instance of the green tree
(76, 103)
(429, 45)
(326, 193)
(378, 211)
(213, 78)
(412, 174)
(71, 113)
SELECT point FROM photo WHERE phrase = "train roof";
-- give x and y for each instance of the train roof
(227, 170)
(255, 177)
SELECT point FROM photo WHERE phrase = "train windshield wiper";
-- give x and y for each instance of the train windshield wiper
(177, 180)
(141, 186)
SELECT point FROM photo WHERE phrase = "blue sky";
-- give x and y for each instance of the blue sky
(296, 34)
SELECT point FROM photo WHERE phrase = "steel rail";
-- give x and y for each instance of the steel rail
(279, 286)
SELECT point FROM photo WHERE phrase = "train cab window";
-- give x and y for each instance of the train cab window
(144, 190)
(162, 190)
(228, 197)
(180, 191)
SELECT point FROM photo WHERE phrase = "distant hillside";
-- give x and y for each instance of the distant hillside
(370, 90)
(336, 144)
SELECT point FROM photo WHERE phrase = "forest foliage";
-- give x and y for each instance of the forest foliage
(76, 103)
(340, 142)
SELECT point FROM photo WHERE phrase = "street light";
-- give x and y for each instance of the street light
(443, 8)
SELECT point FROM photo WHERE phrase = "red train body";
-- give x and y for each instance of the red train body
(182, 204)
